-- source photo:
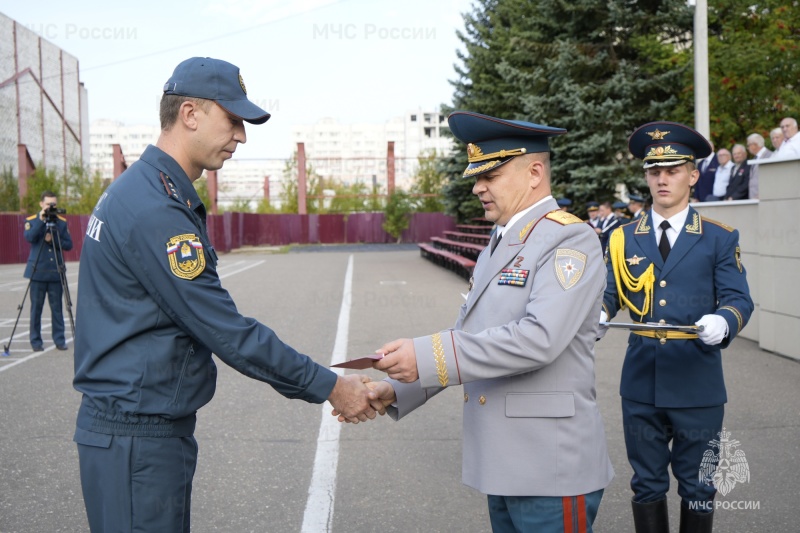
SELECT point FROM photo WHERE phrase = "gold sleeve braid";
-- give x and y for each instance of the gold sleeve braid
(438, 358)
(624, 278)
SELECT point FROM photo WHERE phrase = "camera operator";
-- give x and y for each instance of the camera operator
(48, 234)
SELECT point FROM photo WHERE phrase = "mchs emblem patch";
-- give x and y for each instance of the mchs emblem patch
(186, 259)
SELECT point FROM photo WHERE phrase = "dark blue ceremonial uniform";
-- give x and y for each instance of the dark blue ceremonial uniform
(150, 313)
(677, 383)
(45, 277)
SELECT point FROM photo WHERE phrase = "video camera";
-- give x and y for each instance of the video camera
(52, 212)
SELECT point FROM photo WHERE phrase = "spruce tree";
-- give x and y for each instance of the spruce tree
(597, 68)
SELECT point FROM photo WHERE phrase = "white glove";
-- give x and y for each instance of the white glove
(715, 328)
(601, 331)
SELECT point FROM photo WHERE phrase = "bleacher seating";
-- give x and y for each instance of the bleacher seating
(458, 250)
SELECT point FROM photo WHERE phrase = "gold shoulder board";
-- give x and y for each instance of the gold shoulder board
(717, 223)
(562, 217)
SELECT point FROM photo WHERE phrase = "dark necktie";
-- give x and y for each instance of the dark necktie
(663, 244)
(495, 240)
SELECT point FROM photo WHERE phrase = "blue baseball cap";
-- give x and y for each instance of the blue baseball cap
(667, 144)
(217, 80)
(492, 142)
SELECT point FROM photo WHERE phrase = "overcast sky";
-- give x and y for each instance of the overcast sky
(302, 60)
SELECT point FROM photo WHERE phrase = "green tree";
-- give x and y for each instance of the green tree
(201, 186)
(398, 214)
(429, 179)
(41, 180)
(597, 68)
(9, 191)
(754, 68)
(84, 190)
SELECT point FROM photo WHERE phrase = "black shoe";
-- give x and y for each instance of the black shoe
(38, 348)
(61, 347)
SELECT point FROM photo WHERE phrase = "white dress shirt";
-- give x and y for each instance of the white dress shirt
(676, 222)
(789, 148)
(721, 179)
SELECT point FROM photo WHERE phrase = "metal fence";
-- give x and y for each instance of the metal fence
(229, 231)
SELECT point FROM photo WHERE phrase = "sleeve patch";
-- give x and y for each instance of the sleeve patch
(569, 265)
(186, 258)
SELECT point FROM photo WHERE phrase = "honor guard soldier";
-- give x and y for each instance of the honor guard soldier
(635, 206)
(523, 343)
(565, 204)
(151, 310)
(620, 211)
(674, 266)
(591, 210)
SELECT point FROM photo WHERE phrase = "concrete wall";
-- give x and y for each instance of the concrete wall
(770, 244)
(45, 108)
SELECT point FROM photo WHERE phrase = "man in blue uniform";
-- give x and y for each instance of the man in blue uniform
(151, 311)
(673, 266)
(49, 237)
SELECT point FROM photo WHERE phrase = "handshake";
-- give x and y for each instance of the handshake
(356, 398)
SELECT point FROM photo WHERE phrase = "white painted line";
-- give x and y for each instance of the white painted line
(318, 516)
(34, 355)
(226, 274)
(45, 327)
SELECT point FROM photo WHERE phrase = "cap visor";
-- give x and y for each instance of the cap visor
(652, 164)
(246, 110)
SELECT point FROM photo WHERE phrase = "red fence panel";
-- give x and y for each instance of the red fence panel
(15, 249)
(229, 231)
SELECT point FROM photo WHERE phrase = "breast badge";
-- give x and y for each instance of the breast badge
(186, 259)
(569, 265)
(635, 260)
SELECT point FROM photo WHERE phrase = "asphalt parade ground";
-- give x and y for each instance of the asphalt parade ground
(268, 464)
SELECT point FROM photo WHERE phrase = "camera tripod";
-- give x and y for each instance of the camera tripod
(55, 242)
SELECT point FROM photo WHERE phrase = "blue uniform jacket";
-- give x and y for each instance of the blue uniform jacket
(151, 311)
(703, 275)
(47, 266)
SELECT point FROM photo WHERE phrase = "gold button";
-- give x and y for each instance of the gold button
(466, 398)
(663, 341)
(662, 283)
(482, 400)
(662, 303)
(662, 321)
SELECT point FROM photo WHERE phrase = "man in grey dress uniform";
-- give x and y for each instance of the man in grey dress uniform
(523, 344)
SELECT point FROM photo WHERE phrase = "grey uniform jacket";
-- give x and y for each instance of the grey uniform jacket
(523, 347)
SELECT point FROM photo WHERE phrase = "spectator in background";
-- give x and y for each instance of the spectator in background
(565, 204)
(592, 211)
(621, 211)
(610, 222)
(708, 169)
(790, 148)
(722, 176)
(635, 206)
(776, 138)
(740, 175)
(755, 145)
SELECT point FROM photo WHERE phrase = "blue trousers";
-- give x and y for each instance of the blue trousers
(649, 430)
(136, 484)
(544, 514)
(54, 293)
